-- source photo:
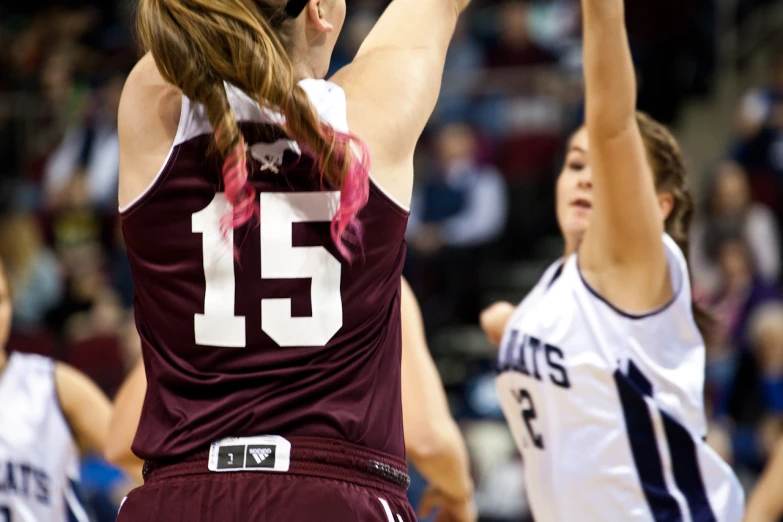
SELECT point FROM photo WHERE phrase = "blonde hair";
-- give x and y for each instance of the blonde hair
(198, 45)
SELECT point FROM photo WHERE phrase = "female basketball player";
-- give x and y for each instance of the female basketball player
(602, 365)
(432, 439)
(271, 339)
(49, 413)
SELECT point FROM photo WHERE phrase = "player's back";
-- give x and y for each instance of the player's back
(39, 461)
(607, 409)
(287, 339)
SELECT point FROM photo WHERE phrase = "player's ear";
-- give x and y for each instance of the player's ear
(317, 15)
(666, 202)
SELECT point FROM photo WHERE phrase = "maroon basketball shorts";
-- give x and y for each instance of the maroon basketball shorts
(271, 479)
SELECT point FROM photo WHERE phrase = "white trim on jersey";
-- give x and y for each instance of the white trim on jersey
(178, 139)
(74, 505)
(327, 98)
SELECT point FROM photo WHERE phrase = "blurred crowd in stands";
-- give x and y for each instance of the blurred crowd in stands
(482, 226)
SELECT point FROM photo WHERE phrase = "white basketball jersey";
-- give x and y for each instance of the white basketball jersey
(39, 461)
(607, 408)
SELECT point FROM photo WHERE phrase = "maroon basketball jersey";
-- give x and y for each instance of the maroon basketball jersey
(287, 339)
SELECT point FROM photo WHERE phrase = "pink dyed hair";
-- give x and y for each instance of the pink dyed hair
(354, 192)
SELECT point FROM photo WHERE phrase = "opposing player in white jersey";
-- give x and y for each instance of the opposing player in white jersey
(602, 365)
(48, 412)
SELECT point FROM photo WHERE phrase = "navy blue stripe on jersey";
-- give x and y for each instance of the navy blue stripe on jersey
(644, 448)
(557, 275)
(627, 315)
(687, 472)
(637, 378)
(74, 504)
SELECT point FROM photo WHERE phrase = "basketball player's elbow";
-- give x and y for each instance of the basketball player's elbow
(434, 441)
(117, 453)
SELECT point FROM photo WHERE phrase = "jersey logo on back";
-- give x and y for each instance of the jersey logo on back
(270, 155)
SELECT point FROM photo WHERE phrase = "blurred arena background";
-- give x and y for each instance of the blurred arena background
(483, 225)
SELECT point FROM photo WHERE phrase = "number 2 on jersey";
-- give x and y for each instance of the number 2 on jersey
(529, 415)
(218, 325)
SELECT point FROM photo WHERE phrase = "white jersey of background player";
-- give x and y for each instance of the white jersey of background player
(602, 365)
(48, 412)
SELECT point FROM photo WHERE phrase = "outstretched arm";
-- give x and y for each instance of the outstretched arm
(623, 246)
(393, 84)
(125, 420)
(766, 502)
(87, 411)
(432, 438)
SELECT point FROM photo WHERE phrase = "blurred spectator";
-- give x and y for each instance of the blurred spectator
(459, 208)
(464, 204)
(760, 145)
(462, 75)
(555, 25)
(740, 292)
(515, 46)
(729, 204)
(756, 405)
(34, 272)
(89, 148)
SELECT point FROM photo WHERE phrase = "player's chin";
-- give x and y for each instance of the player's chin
(575, 228)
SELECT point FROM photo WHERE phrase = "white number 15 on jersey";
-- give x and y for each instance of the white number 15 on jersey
(218, 326)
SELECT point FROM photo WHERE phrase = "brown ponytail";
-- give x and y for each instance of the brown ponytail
(200, 44)
(670, 176)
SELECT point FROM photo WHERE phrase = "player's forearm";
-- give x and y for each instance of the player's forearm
(766, 503)
(442, 458)
(610, 81)
(125, 419)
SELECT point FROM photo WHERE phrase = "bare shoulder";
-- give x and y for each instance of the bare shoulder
(148, 119)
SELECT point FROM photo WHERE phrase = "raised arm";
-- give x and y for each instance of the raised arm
(393, 84)
(622, 247)
(432, 439)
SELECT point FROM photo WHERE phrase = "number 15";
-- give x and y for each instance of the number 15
(218, 325)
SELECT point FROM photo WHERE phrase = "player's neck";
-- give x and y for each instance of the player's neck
(301, 68)
(3, 360)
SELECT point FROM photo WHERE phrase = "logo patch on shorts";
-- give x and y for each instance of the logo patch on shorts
(260, 457)
(263, 453)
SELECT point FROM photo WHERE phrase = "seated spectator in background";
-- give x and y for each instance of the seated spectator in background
(33, 270)
(760, 141)
(739, 293)
(90, 147)
(76, 232)
(728, 205)
(463, 74)
(461, 207)
(464, 204)
(756, 405)
(515, 46)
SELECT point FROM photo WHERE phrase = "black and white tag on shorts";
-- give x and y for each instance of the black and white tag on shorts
(263, 453)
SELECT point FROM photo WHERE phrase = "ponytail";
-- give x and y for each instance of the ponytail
(669, 169)
(200, 44)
